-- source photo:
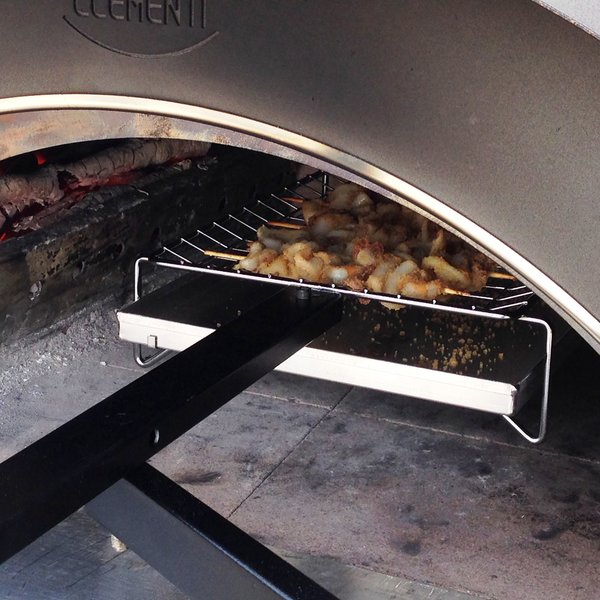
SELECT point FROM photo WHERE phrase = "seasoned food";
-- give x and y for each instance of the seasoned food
(361, 242)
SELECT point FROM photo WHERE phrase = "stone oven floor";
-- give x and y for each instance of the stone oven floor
(376, 497)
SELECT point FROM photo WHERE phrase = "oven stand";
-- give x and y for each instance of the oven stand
(105, 448)
(193, 546)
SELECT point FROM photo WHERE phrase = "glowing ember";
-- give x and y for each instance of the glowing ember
(36, 187)
(40, 158)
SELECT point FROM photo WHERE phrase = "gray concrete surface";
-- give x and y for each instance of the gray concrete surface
(375, 496)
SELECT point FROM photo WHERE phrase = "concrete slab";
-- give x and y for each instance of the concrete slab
(357, 583)
(574, 419)
(465, 515)
(380, 496)
(315, 392)
(46, 381)
(225, 458)
(76, 560)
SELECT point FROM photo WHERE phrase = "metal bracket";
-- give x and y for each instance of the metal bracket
(149, 360)
(138, 351)
(543, 421)
(193, 546)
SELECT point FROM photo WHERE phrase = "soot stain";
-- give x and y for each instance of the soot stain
(389, 459)
(339, 428)
(548, 533)
(475, 468)
(316, 481)
(595, 494)
(566, 497)
(245, 458)
(510, 492)
(426, 524)
(409, 547)
(585, 525)
(199, 478)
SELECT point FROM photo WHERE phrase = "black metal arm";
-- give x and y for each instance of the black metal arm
(193, 546)
(49, 480)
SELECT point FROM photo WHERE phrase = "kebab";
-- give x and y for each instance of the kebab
(352, 239)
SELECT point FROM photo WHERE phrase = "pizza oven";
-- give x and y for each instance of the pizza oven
(465, 114)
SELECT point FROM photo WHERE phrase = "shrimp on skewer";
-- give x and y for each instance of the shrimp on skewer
(354, 240)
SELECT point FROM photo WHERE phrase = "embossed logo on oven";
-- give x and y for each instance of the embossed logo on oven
(142, 28)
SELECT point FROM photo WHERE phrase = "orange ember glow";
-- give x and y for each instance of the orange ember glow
(122, 178)
(40, 158)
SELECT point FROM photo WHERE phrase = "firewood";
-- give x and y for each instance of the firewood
(136, 154)
(17, 192)
(50, 184)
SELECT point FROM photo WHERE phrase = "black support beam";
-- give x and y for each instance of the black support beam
(49, 480)
(193, 546)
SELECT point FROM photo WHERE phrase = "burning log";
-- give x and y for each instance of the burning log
(101, 168)
(18, 192)
(52, 183)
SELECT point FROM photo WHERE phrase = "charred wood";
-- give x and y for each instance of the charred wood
(17, 192)
(89, 252)
(52, 213)
(52, 183)
(100, 168)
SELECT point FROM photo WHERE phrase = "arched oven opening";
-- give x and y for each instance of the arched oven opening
(166, 221)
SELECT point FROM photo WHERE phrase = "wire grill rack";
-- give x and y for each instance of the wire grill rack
(231, 235)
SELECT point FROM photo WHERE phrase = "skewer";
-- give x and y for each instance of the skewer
(286, 225)
(238, 257)
(224, 255)
(453, 292)
(292, 199)
(498, 275)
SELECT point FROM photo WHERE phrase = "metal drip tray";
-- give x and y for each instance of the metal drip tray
(463, 360)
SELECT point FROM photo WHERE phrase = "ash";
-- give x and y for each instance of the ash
(50, 377)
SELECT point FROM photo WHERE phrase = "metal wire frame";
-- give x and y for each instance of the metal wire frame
(146, 361)
(498, 300)
(545, 390)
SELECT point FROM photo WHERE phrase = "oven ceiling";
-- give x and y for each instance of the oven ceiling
(491, 107)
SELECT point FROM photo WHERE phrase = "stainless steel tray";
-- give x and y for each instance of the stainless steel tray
(498, 306)
(402, 352)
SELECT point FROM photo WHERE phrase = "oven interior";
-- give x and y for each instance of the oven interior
(491, 350)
